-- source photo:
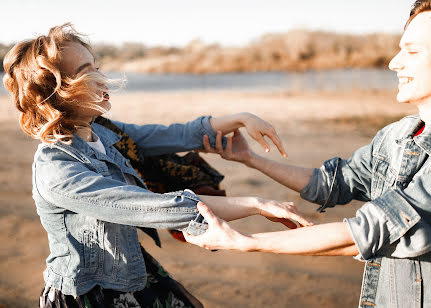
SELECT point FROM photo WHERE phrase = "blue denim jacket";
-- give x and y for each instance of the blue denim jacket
(90, 213)
(392, 231)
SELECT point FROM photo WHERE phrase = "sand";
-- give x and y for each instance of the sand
(313, 126)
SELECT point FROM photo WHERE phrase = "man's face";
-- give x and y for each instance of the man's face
(413, 62)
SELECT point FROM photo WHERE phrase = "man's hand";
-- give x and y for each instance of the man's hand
(220, 235)
(255, 126)
(237, 148)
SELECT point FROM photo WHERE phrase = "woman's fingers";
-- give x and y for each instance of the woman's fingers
(259, 138)
(301, 220)
(288, 223)
(276, 140)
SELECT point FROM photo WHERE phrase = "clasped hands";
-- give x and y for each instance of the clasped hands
(220, 235)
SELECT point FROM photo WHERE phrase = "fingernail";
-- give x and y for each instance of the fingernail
(266, 150)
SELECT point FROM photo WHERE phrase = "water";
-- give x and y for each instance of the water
(331, 80)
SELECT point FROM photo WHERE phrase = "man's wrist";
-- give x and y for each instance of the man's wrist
(252, 161)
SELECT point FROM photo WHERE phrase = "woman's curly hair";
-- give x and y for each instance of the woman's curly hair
(46, 97)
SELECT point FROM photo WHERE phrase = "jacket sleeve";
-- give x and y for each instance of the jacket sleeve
(397, 224)
(156, 139)
(339, 181)
(79, 189)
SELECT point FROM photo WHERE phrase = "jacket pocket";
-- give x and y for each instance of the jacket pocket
(89, 251)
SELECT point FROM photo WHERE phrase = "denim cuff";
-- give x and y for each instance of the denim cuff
(207, 129)
(198, 225)
(323, 187)
(381, 222)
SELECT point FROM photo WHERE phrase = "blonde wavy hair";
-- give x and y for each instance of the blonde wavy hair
(45, 97)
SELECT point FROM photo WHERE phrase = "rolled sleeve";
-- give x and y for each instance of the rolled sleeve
(320, 189)
(378, 224)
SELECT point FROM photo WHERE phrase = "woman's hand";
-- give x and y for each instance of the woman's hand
(282, 212)
(237, 148)
(258, 129)
(220, 235)
(255, 126)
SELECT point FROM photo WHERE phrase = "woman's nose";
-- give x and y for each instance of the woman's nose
(396, 63)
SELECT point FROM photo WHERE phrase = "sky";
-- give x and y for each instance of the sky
(177, 22)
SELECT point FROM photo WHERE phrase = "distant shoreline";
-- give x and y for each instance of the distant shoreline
(297, 50)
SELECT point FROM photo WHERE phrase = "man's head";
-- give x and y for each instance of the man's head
(413, 62)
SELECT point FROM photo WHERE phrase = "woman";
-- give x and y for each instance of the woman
(88, 196)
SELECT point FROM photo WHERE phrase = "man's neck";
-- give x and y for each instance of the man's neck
(425, 113)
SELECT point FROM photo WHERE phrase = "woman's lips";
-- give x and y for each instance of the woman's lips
(105, 97)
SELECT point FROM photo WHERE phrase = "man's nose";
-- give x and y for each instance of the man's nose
(396, 63)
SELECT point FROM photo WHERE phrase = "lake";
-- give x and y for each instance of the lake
(330, 80)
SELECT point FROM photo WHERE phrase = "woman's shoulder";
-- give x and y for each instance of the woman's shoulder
(59, 151)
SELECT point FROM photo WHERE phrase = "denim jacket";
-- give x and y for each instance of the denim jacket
(91, 214)
(392, 230)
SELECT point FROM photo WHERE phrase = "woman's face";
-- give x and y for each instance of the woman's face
(76, 60)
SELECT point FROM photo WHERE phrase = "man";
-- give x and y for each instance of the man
(392, 231)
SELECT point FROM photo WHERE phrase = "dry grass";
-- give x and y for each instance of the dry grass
(296, 50)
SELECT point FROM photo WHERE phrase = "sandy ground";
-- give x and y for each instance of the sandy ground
(314, 127)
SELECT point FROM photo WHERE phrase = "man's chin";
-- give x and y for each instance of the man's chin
(403, 100)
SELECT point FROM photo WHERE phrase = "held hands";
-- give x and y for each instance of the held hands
(220, 235)
(237, 148)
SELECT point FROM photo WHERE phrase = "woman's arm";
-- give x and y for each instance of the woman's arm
(231, 208)
(62, 180)
(326, 240)
(159, 139)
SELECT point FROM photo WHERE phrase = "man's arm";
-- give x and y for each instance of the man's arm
(293, 177)
(333, 239)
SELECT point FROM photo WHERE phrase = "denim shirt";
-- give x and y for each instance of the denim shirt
(91, 214)
(392, 230)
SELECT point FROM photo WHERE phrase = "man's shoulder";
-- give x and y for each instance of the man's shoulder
(399, 129)
(405, 124)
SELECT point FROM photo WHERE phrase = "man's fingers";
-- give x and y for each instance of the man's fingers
(207, 145)
(219, 146)
(229, 144)
(206, 212)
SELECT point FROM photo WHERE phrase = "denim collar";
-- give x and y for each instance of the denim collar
(424, 139)
(80, 148)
